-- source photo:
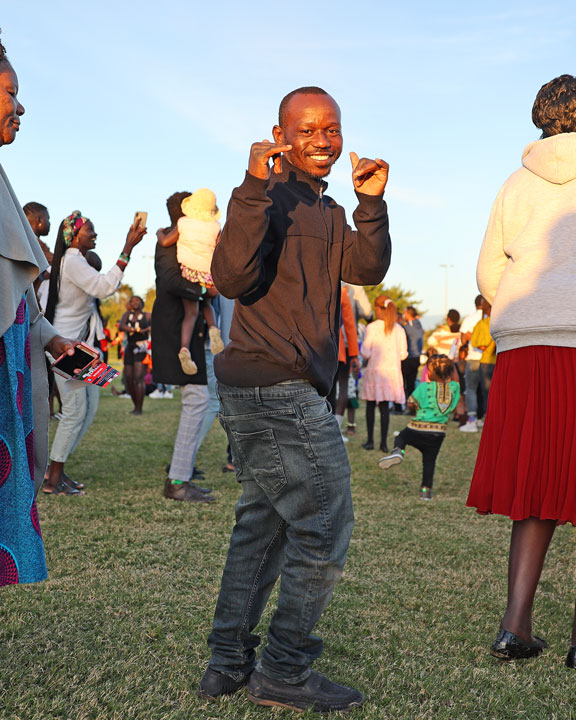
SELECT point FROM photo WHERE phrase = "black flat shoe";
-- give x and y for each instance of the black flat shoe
(215, 684)
(508, 646)
(368, 445)
(204, 490)
(571, 658)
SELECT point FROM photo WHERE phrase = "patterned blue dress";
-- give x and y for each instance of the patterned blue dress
(21, 549)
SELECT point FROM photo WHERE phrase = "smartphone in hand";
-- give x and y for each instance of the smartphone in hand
(140, 218)
(83, 357)
(85, 365)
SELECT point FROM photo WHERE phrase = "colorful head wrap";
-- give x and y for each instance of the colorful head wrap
(71, 226)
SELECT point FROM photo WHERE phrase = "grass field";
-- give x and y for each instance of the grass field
(118, 632)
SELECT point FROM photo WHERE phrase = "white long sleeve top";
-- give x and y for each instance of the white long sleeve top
(79, 285)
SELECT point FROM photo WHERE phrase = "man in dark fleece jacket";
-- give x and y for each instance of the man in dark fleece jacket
(284, 250)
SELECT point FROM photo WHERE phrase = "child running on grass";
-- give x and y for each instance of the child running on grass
(434, 401)
(196, 235)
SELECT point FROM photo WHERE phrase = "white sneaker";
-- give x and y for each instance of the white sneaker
(167, 395)
(470, 426)
(480, 422)
(395, 457)
(125, 396)
(156, 394)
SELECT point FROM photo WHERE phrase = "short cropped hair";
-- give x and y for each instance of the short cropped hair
(32, 208)
(441, 365)
(554, 110)
(3, 55)
(478, 301)
(411, 311)
(312, 90)
(174, 205)
(453, 316)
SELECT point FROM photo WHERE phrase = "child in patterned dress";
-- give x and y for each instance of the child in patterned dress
(434, 401)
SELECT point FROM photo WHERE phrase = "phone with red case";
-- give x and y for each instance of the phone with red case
(100, 373)
(83, 357)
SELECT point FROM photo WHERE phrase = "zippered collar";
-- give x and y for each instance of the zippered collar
(301, 181)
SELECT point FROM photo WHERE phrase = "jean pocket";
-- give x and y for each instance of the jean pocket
(260, 454)
(233, 449)
(317, 409)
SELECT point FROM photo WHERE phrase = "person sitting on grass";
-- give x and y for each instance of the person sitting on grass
(434, 401)
(196, 235)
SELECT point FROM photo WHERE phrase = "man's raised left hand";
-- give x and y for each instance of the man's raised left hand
(369, 176)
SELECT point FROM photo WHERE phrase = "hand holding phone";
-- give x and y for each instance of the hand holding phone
(68, 366)
(136, 232)
(85, 365)
(140, 219)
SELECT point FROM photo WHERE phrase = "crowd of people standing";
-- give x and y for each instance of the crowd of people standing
(276, 363)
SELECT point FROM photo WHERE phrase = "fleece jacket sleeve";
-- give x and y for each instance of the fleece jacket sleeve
(367, 251)
(237, 265)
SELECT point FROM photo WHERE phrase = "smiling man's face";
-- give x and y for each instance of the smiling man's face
(312, 126)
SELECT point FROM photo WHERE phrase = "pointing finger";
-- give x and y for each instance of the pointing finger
(353, 159)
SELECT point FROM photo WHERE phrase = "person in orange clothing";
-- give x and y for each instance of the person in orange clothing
(348, 352)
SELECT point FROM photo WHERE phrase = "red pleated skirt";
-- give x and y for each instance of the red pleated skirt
(526, 465)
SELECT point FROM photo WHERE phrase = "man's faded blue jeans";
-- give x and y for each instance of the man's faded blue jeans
(472, 378)
(293, 520)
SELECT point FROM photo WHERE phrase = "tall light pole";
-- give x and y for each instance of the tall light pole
(446, 287)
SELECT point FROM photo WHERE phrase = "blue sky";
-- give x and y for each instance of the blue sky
(127, 102)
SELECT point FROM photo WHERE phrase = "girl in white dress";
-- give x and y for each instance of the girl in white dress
(384, 347)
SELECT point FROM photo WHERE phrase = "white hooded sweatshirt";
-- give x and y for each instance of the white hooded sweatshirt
(527, 264)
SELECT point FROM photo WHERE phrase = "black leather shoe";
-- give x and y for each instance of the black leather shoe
(215, 684)
(198, 474)
(571, 658)
(368, 445)
(508, 646)
(316, 693)
(204, 490)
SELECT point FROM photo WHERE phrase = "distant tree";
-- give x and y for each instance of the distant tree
(401, 297)
(113, 307)
(149, 299)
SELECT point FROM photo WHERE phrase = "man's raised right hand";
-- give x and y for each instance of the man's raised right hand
(260, 154)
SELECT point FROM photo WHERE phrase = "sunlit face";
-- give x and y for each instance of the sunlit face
(312, 126)
(86, 238)
(135, 304)
(41, 223)
(10, 109)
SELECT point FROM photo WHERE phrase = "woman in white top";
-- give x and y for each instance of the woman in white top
(73, 286)
(384, 347)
